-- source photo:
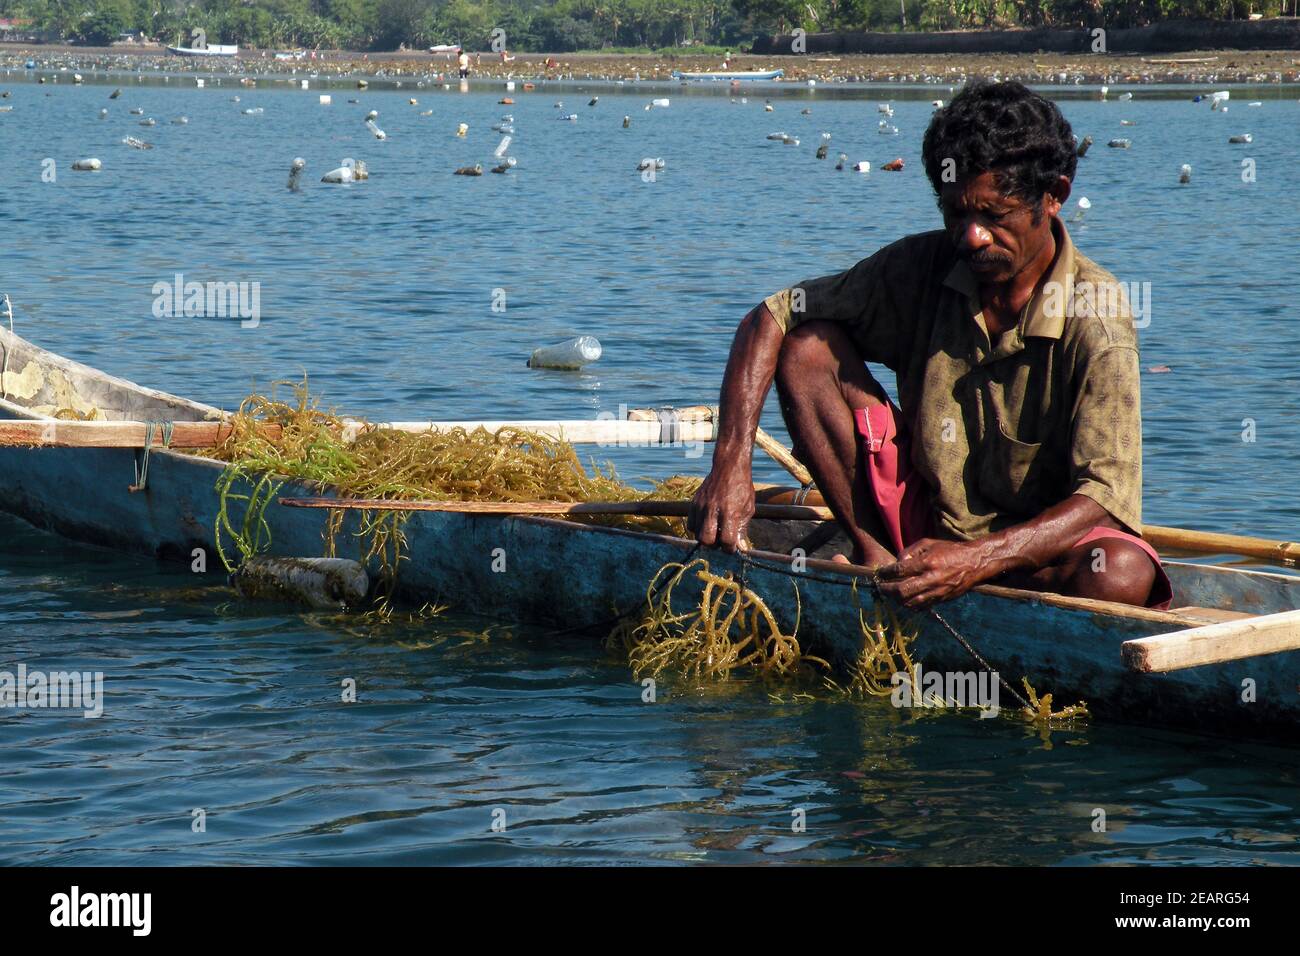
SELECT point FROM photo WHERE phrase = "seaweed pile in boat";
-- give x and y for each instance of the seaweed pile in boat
(318, 445)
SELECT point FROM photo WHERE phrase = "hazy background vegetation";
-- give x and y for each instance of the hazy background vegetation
(567, 25)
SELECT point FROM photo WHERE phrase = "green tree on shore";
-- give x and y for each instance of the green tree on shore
(563, 25)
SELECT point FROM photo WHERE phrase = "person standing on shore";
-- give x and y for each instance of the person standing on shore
(462, 61)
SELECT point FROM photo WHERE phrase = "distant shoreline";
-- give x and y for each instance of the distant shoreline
(1210, 66)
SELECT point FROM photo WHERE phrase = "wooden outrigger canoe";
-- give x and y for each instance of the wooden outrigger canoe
(571, 575)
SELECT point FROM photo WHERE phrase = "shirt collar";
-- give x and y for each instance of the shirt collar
(1045, 312)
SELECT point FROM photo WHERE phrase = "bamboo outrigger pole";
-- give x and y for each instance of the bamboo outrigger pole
(1211, 542)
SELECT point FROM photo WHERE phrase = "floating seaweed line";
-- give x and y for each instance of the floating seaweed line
(730, 629)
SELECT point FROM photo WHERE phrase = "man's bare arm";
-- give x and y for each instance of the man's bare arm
(929, 571)
(725, 502)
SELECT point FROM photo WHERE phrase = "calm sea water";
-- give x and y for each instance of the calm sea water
(383, 292)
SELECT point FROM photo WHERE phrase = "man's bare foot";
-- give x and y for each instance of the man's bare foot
(870, 559)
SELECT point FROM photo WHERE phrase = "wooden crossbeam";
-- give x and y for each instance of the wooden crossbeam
(74, 434)
(1213, 643)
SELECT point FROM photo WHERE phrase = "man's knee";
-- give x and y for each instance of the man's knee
(806, 348)
(1112, 569)
(817, 349)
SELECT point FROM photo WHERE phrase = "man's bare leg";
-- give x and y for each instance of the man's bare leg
(820, 380)
(1107, 569)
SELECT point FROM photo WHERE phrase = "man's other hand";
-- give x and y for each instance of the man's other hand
(721, 509)
(929, 571)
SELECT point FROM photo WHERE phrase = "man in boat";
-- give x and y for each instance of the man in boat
(1014, 455)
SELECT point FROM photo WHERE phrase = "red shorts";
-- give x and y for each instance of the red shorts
(903, 498)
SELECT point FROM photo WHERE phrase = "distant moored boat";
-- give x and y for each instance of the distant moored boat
(730, 75)
(212, 49)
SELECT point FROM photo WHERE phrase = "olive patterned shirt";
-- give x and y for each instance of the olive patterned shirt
(1000, 430)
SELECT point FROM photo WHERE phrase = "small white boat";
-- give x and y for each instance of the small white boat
(730, 75)
(212, 49)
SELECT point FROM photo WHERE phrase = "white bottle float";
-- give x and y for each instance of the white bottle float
(572, 354)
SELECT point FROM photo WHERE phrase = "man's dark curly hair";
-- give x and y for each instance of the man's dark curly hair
(1003, 128)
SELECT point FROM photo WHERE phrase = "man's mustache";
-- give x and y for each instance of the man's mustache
(982, 257)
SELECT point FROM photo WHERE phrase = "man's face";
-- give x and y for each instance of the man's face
(995, 234)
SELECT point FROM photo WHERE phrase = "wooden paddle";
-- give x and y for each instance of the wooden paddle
(782, 456)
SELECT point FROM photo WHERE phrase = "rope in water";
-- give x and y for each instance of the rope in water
(746, 562)
(873, 582)
(4, 369)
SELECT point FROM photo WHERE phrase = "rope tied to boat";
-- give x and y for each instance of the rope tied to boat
(142, 463)
(4, 369)
(873, 584)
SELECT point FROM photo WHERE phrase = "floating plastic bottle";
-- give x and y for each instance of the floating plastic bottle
(572, 354)
(331, 583)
